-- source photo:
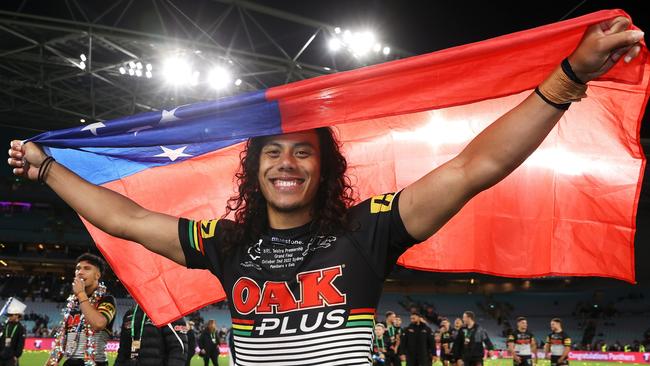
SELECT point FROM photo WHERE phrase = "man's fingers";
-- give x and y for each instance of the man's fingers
(620, 40)
(618, 54)
(634, 52)
(616, 25)
(16, 154)
(16, 163)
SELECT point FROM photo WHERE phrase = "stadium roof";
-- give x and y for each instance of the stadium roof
(68, 62)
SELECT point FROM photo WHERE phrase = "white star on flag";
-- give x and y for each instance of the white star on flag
(168, 116)
(173, 154)
(93, 127)
(138, 129)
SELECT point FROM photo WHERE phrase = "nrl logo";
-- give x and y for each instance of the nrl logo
(255, 251)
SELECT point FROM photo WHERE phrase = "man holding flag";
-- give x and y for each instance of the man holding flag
(303, 269)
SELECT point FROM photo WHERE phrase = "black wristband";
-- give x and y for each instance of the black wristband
(42, 171)
(563, 106)
(568, 70)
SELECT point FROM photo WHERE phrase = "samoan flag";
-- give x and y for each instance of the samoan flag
(569, 210)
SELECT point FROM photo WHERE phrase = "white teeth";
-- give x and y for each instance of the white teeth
(286, 183)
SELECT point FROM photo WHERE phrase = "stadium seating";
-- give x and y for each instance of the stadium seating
(624, 325)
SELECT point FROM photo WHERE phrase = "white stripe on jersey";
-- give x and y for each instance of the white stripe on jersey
(347, 346)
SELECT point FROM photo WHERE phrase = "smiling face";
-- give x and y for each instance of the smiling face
(555, 326)
(289, 172)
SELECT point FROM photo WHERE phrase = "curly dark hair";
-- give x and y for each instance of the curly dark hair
(333, 198)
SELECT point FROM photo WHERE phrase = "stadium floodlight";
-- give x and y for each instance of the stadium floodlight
(131, 72)
(178, 71)
(238, 82)
(194, 80)
(122, 70)
(358, 43)
(82, 65)
(82, 120)
(82, 57)
(139, 65)
(149, 67)
(334, 44)
(132, 64)
(138, 72)
(148, 74)
(219, 78)
(347, 36)
(361, 42)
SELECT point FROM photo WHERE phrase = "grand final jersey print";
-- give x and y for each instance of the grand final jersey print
(303, 299)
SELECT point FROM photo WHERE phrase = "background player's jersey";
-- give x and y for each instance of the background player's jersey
(299, 298)
(558, 341)
(75, 346)
(522, 342)
(445, 338)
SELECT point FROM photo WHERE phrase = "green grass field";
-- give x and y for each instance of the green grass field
(38, 358)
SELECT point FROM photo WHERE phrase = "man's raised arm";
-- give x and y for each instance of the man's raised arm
(426, 205)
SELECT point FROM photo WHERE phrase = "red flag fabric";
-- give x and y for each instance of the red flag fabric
(569, 210)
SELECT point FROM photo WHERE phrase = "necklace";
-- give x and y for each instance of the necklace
(61, 334)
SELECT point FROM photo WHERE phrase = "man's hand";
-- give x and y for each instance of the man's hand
(78, 286)
(602, 45)
(26, 159)
(516, 358)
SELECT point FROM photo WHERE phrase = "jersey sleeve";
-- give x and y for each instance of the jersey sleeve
(200, 243)
(566, 340)
(511, 338)
(106, 307)
(379, 231)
